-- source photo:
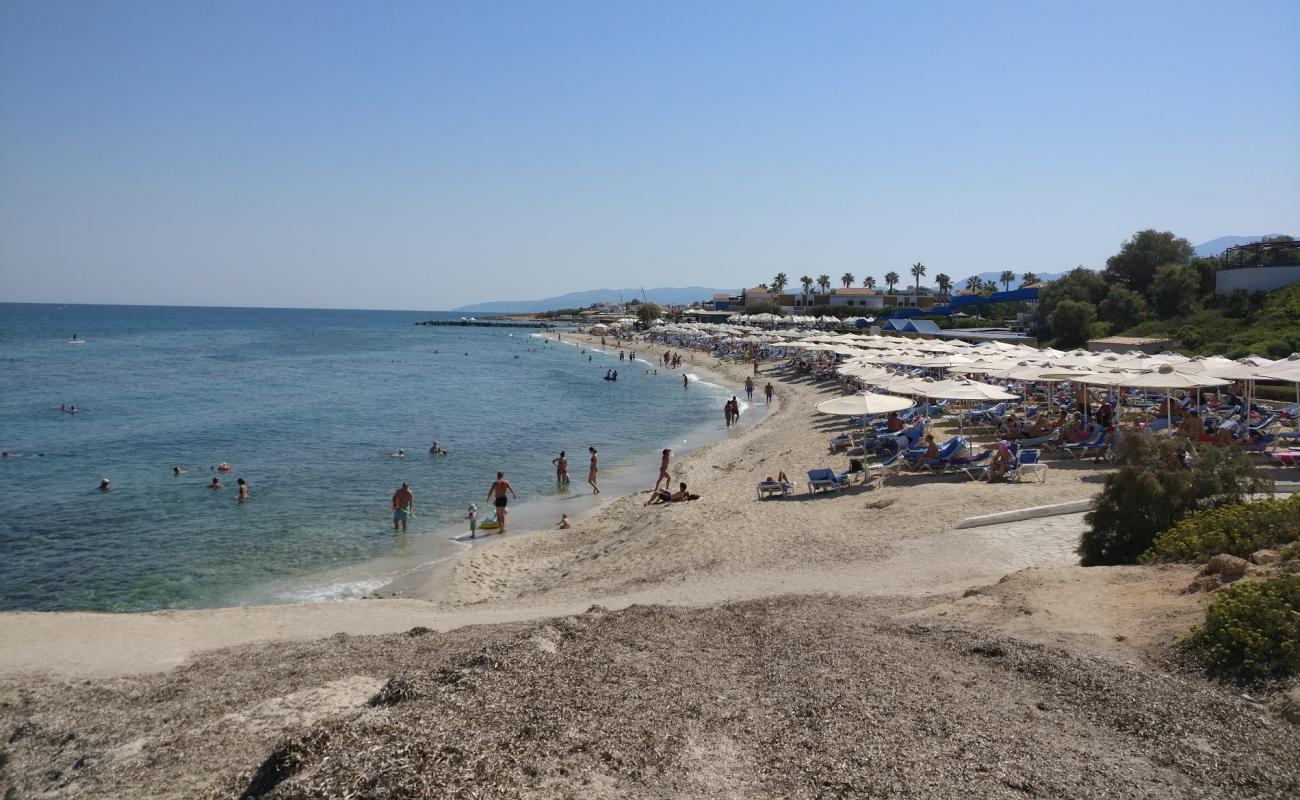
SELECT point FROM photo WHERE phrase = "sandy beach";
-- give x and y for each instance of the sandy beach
(851, 644)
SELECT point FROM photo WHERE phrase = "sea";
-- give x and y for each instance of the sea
(309, 407)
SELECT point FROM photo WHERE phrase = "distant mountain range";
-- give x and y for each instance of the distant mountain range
(667, 295)
(1216, 247)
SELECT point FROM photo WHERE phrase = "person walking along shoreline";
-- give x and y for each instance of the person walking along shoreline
(591, 474)
(497, 494)
(403, 506)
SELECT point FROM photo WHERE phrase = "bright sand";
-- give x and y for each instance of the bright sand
(728, 545)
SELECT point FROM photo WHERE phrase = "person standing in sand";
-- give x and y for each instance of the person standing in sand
(664, 477)
(749, 388)
(403, 506)
(768, 391)
(726, 412)
(497, 494)
(591, 474)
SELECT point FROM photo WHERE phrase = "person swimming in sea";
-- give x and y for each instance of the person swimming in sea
(216, 484)
(399, 454)
(436, 450)
(103, 485)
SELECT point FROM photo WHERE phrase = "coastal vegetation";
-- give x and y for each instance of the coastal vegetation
(1156, 287)
(1252, 632)
(1154, 488)
(1239, 530)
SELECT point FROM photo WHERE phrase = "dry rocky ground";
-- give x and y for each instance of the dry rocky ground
(781, 697)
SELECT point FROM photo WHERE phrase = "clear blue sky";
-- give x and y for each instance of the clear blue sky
(425, 155)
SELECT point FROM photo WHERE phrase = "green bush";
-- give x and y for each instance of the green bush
(1153, 490)
(1289, 562)
(1252, 632)
(1239, 529)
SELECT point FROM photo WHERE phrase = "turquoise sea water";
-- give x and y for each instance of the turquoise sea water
(307, 407)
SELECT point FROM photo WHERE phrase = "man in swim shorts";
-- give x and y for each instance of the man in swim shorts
(403, 506)
(497, 494)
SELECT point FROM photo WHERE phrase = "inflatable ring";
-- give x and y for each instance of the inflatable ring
(223, 467)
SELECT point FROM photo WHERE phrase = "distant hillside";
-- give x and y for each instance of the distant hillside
(669, 295)
(1216, 247)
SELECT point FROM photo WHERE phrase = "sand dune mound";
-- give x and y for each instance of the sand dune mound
(785, 697)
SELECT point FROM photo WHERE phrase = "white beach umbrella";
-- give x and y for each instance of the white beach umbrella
(865, 404)
(1286, 370)
(1168, 378)
(966, 390)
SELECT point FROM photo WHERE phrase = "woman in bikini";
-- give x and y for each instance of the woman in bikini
(591, 475)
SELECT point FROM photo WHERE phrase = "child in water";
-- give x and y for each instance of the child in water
(473, 520)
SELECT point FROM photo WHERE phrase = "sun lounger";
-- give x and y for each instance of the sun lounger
(1028, 461)
(769, 488)
(1287, 458)
(978, 466)
(826, 480)
(1096, 442)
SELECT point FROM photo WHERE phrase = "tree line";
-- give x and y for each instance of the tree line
(1156, 275)
(822, 283)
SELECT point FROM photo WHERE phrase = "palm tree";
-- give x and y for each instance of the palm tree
(943, 282)
(869, 282)
(1028, 278)
(847, 279)
(1007, 277)
(891, 280)
(989, 287)
(779, 282)
(824, 281)
(807, 287)
(918, 269)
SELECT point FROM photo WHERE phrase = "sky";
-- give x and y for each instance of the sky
(425, 155)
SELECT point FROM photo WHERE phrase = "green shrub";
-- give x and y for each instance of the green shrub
(1153, 490)
(1289, 562)
(1239, 529)
(1252, 632)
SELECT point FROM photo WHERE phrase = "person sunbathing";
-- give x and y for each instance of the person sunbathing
(664, 496)
(1011, 427)
(1001, 462)
(931, 453)
(786, 483)
(1041, 427)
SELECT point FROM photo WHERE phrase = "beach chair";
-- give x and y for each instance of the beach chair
(1028, 461)
(769, 488)
(1096, 442)
(949, 466)
(1040, 440)
(826, 480)
(977, 467)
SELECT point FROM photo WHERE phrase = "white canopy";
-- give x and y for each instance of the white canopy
(868, 404)
(967, 390)
(1166, 377)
